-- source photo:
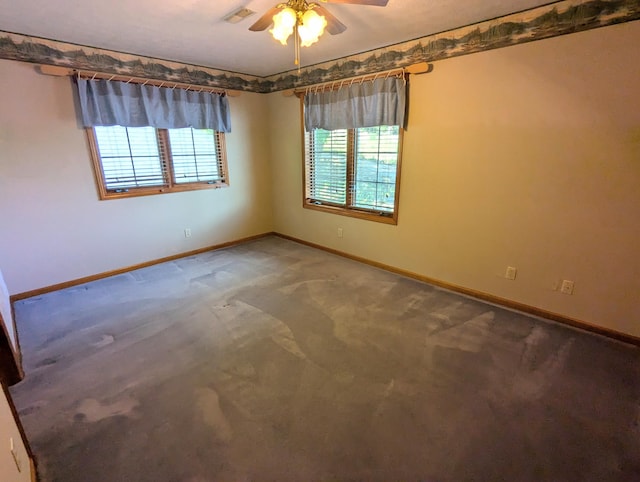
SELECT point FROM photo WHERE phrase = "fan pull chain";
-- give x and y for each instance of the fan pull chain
(297, 47)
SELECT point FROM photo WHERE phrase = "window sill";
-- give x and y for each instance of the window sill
(391, 218)
(150, 191)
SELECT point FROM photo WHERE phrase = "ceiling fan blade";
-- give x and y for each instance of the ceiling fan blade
(334, 26)
(264, 21)
(374, 3)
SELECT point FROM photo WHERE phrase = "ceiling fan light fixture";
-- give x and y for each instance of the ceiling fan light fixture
(306, 21)
(311, 27)
(283, 24)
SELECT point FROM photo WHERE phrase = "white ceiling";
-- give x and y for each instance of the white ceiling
(192, 31)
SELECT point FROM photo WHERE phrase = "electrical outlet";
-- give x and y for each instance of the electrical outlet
(187, 232)
(566, 287)
(339, 232)
(511, 273)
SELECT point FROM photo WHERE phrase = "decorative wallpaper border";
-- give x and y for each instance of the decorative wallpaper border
(560, 18)
(52, 52)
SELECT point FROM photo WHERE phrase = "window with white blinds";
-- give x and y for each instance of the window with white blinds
(327, 166)
(195, 155)
(354, 171)
(134, 161)
(130, 157)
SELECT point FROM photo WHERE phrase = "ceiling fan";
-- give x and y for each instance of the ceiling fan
(307, 21)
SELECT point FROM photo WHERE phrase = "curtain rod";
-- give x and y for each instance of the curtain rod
(91, 74)
(415, 69)
(140, 80)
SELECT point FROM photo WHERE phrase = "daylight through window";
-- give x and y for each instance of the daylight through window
(354, 172)
(134, 161)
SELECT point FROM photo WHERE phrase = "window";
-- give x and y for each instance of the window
(137, 161)
(354, 172)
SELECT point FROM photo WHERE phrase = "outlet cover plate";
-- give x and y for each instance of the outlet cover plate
(566, 287)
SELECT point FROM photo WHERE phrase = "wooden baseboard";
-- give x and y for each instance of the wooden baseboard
(106, 274)
(34, 470)
(514, 305)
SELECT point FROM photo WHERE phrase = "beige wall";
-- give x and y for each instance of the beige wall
(8, 430)
(55, 229)
(527, 156)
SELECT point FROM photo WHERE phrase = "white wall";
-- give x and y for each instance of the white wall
(526, 156)
(55, 229)
(8, 429)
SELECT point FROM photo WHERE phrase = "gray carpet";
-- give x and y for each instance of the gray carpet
(275, 361)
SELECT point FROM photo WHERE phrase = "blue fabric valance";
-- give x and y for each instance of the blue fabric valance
(109, 103)
(381, 102)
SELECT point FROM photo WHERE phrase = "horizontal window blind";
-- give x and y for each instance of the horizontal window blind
(131, 157)
(137, 161)
(194, 154)
(354, 172)
(375, 167)
(326, 160)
